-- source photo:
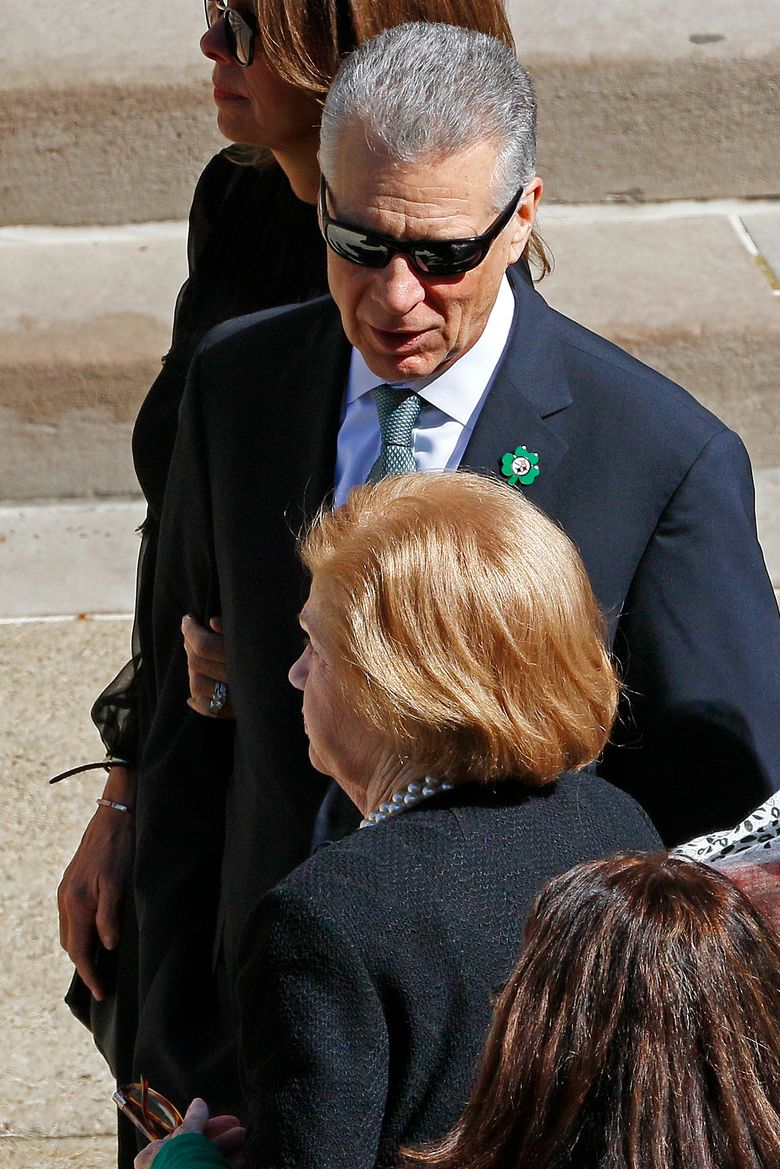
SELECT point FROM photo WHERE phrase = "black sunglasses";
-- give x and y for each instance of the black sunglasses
(240, 34)
(430, 257)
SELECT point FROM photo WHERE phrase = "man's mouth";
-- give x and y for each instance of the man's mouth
(398, 340)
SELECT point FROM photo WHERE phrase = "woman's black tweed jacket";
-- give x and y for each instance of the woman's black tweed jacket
(367, 976)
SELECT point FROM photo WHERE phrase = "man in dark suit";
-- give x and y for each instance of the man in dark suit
(428, 199)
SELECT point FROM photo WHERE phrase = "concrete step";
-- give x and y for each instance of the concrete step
(83, 323)
(87, 313)
(646, 102)
(69, 559)
(107, 118)
(78, 559)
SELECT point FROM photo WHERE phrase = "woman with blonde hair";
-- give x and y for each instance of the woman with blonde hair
(640, 1030)
(455, 684)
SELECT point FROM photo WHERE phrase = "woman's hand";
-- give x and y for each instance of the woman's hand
(90, 894)
(205, 649)
(225, 1132)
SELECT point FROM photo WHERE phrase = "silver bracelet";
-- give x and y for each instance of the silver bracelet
(113, 804)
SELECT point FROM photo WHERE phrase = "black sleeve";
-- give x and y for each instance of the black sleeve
(700, 643)
(314, 1041)
(116, 712)
(188, 757)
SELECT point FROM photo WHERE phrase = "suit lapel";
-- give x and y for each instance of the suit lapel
(529, 388)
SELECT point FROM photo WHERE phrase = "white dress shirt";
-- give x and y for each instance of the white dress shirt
(452, 401)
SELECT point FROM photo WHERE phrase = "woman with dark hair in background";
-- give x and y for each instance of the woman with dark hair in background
(640, 1030)
(253, 244)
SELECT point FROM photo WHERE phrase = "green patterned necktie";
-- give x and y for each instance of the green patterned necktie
(398, 412)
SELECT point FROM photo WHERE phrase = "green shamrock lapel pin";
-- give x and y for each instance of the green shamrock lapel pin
(522, 466)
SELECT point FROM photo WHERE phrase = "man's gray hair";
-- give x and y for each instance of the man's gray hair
(424, 91)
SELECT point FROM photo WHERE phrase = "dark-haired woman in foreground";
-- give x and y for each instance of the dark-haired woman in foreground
(640, 1030)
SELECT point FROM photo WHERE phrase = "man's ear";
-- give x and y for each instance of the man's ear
(524, 219)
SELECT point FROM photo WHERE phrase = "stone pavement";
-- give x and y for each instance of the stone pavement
(53, 1083)
(68, 558)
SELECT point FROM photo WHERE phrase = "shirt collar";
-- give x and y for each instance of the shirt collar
(458, 390)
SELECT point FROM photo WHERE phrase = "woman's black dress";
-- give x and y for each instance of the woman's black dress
(252, 245)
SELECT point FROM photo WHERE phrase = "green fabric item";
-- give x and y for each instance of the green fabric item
(189, 1150)
(398, 411)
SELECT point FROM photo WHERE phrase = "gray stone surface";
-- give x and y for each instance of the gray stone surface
(84, 321)
(115, 42)
(768, 517)
(52, 1080)
(68, 558)
(110, 119)
(104, 153)
(93, 1152)
(648, 129)
(763, 227)
(612, 28)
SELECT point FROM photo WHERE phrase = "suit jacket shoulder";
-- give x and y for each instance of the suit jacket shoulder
(272, 326)
(560, 362)
(538, 831)
(657, 494)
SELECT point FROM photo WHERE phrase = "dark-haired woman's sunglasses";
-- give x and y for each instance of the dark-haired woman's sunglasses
(239, 32)
(430, 257)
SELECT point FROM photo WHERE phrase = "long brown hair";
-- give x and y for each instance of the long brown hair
(640, 1030)
(305, 40)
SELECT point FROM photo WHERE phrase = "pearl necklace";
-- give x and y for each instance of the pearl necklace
(407, 797)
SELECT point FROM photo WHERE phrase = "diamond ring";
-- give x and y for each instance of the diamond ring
(219, 698)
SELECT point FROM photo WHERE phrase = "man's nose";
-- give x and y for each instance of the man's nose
(213, 43)
(398, 288)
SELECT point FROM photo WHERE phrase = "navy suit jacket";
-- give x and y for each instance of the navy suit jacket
(654, 490)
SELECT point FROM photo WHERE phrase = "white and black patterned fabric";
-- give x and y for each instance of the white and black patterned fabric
(758, 833)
